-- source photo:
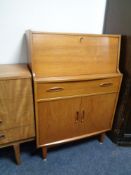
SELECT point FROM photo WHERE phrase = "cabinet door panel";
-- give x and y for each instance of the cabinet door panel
(58, 120)
(16, 103)
(97, 113)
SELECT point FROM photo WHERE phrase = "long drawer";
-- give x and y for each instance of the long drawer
(62, 89)
(16, 134)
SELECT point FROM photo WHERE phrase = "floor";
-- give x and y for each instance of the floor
(86, 157)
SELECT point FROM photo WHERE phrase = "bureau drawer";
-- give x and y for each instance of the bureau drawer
(16, 134)
(62, 89)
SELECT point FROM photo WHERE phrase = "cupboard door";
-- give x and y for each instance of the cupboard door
(97, 113)
(58, 120)
(16, 103)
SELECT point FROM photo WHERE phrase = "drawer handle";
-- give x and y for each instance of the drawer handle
(77, 117)
(56, 89)
(2, 136)
(106, 84)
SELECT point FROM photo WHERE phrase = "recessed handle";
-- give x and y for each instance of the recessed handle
(1, 121)
(55, 89)
(2, 136)
(105, 84)
(77, 117)
(83, 116)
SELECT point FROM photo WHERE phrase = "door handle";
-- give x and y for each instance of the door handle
(83, 116)
(77, 117)
(1, 121)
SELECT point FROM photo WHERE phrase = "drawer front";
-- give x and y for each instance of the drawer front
(55, 90)
(16, 134)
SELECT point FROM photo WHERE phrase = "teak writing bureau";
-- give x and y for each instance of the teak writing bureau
(16, 107)
(76, 85)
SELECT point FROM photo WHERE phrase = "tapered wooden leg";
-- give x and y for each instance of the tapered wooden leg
(17, 153)
(101, 138)
(44, 152)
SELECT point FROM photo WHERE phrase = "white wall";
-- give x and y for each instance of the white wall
(16, 16)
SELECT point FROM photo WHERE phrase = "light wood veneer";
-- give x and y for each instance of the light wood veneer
(76, 85)
(47, 91)
(16, 107)
(74, 117)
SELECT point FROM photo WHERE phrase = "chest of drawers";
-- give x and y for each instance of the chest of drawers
(16, 106)
(76, 85)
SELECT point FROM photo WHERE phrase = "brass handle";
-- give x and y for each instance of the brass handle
(77, 117)
(105, 84)
(56, 89)
(2, 136)
(83, 116)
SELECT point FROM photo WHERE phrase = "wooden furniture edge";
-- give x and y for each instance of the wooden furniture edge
(121, 77)
(73, 34)
(74, 138)
(118, 55)
(74, 96)
(14, 75)
(36, 112)
(29, 49)
(75, 78)
(15, 142)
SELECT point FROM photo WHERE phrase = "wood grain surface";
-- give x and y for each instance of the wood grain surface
(63, 119)
(17, 134)
(67, 54)
(14, 71)
(53, 90)
(76, 82)
(16, 102)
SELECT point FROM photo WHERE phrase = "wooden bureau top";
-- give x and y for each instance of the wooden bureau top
(76, 78)
(14, 71)
(63, 55)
